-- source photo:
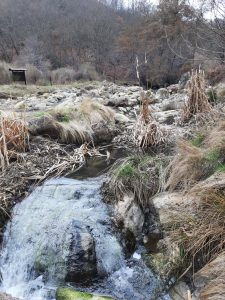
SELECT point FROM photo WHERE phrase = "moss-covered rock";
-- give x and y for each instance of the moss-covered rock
(70, 294)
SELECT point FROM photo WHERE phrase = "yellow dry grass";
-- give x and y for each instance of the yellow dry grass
(72, 132)
(195, 163)
(185, 169)
(14, 139)
(95, 112)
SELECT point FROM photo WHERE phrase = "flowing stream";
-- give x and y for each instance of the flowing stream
(61, 231)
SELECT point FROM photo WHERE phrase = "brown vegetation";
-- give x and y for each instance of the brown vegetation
(147, 132)
(200, 232)
(14, 139)
(197, 159)
(198, 101)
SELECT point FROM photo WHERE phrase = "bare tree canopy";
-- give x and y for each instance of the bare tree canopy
(109, 35)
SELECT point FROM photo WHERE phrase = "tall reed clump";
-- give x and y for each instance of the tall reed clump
(14, 139)
(147, 132)
(198, 100)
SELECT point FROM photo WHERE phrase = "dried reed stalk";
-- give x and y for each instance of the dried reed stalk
(147, 132)
(198, 100)
(14, 138)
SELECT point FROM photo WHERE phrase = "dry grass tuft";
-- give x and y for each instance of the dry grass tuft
(95, 112)
(198, 100)
(185, 169)
(72, 132)
(197, 159)
(147, 132)
(142, 175)
(14, 139)
(202, 237)
(75, 125)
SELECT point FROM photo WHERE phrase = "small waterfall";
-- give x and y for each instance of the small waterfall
(46, 236)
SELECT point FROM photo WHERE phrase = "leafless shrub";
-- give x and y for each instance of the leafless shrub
(63, 75)
(216, 75)
(147, 132)
(4, 73)
(87, 72)
(33, 74)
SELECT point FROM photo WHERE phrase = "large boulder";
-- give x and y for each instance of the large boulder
(81, 263)
(166, 117)
(168, 206)
(121, 119)
(103, 132)
(70, 294)
(42, 125)
(174, 102)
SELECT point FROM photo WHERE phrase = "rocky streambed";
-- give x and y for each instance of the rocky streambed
(67, 240)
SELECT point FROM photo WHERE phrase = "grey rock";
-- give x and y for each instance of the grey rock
(117, 101)
(81, 262)
(162, 94)
(121, 119)
(166, 117)
(129, 215)
(103, 132)
(41, 126)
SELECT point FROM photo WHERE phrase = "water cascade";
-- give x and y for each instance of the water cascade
(62, 234)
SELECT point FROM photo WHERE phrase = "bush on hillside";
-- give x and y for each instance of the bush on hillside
(5, 76)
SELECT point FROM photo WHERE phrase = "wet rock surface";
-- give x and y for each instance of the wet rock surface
(81, 261)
